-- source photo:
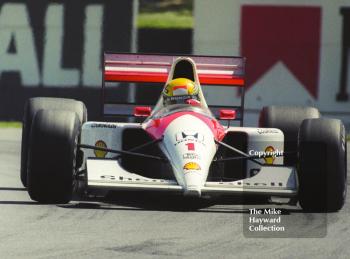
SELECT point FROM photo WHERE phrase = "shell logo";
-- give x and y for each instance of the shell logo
(100, 153)
(192, 166)
(270, 159)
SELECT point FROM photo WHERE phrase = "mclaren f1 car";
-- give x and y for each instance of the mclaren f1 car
(181, 144)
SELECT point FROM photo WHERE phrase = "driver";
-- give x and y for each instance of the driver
(181, 91)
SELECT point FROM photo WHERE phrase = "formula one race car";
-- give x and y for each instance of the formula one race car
(181, 144)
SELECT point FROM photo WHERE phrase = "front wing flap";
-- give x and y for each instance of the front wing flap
(274, 181)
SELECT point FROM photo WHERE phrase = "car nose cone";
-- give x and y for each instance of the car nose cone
(192, 191)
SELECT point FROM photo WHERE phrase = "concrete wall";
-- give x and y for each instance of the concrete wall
(54, 48)
(296, 51)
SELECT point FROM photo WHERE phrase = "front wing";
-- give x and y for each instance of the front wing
(271, 180)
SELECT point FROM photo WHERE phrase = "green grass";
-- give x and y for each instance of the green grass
(166, 20)
(10, 124)
(158, 6)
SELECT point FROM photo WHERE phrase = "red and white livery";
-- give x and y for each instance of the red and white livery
(188, 135)
(187, 147)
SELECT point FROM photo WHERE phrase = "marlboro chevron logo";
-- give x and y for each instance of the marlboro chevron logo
(288, 34)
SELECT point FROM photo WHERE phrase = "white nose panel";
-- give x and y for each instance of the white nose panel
(190, 144)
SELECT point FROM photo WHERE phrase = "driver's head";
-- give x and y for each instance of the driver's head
(180, 90)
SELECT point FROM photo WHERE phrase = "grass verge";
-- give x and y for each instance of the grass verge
(10, 124)
(165, 20)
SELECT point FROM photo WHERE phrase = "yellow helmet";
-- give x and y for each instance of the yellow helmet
(181, 91)
(180, 87)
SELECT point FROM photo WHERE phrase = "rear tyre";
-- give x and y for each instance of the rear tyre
(52, 155)
(32, 106)
(322, 168)
(288, 119)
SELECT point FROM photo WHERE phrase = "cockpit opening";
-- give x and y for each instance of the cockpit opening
(184, 69)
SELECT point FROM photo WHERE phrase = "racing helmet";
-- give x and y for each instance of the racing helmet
(181, 90)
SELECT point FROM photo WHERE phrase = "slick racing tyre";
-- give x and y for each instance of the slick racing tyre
(288, 119)
(32, 106)
(322, 168)
(52, 155)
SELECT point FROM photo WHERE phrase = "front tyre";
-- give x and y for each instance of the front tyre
(32, 106)
(322, 168)
(52, 155)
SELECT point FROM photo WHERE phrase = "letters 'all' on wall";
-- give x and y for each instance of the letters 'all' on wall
(54, 48)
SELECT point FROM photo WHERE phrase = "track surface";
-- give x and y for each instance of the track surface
(139, 226)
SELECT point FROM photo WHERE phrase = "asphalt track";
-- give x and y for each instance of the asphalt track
(149, 226)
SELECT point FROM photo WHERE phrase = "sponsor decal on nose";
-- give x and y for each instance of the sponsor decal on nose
(189, 135)
(191, 166)
(191, 156)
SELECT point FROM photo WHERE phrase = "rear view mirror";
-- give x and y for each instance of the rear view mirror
(142, 111)
(227, 115)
